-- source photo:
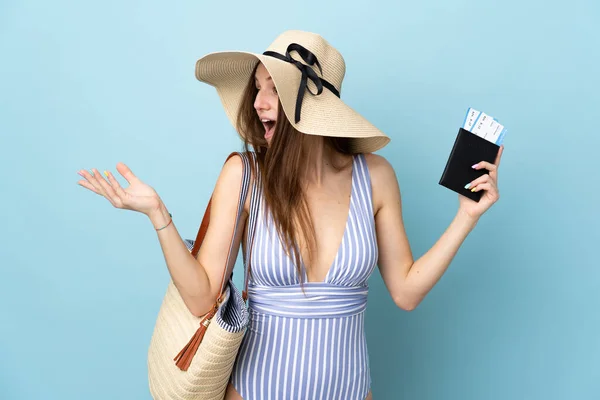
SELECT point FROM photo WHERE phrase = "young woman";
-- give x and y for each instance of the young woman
(330, 212)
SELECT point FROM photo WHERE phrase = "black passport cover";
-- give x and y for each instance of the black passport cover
(468, 149)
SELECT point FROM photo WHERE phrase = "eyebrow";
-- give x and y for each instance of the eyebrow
(268, 79)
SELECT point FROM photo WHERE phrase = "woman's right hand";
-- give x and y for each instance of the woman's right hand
(138, 196)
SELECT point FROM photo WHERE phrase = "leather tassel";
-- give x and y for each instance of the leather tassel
(185, 356)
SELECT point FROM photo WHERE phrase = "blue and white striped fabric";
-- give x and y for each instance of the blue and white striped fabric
(310, 344)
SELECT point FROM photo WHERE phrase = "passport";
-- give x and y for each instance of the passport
(478, 139)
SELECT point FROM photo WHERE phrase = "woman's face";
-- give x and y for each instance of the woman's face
(266, 101)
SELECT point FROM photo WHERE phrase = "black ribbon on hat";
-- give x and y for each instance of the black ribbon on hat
(307, 73)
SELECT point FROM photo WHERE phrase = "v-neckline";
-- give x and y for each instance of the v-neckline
(341, 244)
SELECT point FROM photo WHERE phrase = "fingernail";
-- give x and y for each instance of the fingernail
(472, 190)
(79, 173)
(474, 166)
(468, 185)
(106, 173)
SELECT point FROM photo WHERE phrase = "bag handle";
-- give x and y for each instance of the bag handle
(185, 356)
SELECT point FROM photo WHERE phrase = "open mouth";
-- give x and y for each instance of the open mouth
(269, 127)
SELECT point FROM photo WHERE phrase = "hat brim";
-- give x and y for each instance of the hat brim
(321, 115)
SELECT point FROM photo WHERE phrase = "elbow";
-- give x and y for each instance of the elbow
(198, 314)
(407, 304)
(196, 303)
(197, 310)
(198, 306)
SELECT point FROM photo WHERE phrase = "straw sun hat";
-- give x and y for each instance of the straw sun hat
(308, 73)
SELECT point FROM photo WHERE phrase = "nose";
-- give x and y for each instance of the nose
(260, 102)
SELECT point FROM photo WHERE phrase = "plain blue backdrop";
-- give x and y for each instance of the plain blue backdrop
(88, 84)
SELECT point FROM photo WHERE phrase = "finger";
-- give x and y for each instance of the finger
(126, 172)
(488, 187)
(91, 178)
(108, 190)
(482, 179)
(115, 185)
(118, 190)
(485, 165)
(89, 186)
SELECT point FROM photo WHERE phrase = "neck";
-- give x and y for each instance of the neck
(321, 161)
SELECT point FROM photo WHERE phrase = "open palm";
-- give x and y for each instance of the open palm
(138, 196)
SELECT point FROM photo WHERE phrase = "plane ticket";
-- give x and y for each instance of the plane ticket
(485, 126)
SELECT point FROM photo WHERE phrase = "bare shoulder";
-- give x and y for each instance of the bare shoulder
(230, 179)
(227, 187)
(232, 169)
(384, 182)
(382, 172)
(230, 176)
(379, 165)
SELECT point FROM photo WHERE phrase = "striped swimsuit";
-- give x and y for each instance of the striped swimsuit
(310, 345)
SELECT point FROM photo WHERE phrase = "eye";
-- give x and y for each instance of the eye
(274, 90)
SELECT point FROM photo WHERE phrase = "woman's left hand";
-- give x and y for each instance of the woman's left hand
(488, 183)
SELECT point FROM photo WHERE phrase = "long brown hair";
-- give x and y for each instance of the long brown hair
(281, 167)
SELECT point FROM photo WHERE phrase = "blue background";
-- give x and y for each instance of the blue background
(88, 84)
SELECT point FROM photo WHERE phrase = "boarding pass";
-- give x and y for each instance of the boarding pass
(485, 126)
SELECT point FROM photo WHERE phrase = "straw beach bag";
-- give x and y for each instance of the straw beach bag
(192, 357)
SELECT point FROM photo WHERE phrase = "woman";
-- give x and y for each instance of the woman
(331, 213)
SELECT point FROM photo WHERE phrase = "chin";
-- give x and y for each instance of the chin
(269, 140)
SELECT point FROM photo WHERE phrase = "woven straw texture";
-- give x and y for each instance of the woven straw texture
(211, 367)
(205, 354)
(322, 115)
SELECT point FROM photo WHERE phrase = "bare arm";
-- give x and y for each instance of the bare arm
(407, 280)
(198, 280)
